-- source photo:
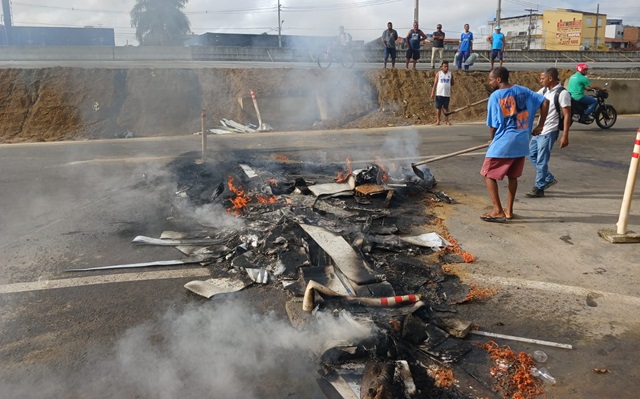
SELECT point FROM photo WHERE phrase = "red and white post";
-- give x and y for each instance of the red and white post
(621, 234)
(629, 187)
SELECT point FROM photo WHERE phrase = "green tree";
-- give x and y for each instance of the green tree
(160, 22)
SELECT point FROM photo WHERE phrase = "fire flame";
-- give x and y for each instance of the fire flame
(266, 200)
(241, 200)
(384, 175)
(273, 182)
(344, 175)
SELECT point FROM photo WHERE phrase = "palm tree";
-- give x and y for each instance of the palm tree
(160, 22)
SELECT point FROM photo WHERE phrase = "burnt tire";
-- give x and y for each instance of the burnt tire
(324, 59)
(606, 117)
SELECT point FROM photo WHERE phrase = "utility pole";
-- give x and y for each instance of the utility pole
(498, 12)
(595, 40)
(279, 26)
(6, 16)
(415, 11)
(529, 30)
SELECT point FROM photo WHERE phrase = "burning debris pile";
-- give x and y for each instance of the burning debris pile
(345, 243)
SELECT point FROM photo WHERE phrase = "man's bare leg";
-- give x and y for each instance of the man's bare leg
(513, 187)
(492, 189)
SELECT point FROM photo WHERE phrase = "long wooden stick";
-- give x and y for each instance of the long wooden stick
(453, 154)
(467, 106)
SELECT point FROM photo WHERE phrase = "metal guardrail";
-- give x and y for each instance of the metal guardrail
(276, 54)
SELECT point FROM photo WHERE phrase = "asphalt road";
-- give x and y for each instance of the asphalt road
(79, 204)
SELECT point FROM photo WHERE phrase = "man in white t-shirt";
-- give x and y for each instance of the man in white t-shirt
(441, 91)
(558, 118)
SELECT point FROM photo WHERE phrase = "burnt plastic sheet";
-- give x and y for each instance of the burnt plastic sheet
(326, 276)
(450, 350)
(344, 256)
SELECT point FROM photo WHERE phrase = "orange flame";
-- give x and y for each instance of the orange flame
(384, 176)
(267, 200)
(344, 175)
(241, 200)
(273, 182)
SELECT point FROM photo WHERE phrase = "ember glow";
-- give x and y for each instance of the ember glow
(266, 200)
(241, 200)
(384, 175)
(344, 175)
(273, 182)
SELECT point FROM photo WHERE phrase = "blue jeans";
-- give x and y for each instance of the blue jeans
(539, 154)
(462, 57)
(590, 102)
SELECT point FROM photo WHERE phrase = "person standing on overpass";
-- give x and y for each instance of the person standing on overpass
(414, 38)
(465, 48)
(389, 37)
(437, 46)
(498, 43)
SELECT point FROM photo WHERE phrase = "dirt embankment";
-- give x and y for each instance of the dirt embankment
(72, 103)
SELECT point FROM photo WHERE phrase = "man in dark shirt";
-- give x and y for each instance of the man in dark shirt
(437, 45)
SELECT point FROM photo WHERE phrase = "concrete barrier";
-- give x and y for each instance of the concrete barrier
(56, 53)
(151, 53)
(624, 94)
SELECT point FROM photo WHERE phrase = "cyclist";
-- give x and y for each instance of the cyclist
(344, 38)
(578, 82)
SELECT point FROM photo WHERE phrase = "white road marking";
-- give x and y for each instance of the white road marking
(104, 279)
(552, 287)
(121, 160)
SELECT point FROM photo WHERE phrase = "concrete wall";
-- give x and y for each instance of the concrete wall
(624, 94)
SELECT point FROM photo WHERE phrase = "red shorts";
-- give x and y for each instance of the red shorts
(498, 168)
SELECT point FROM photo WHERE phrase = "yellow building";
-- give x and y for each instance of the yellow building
(573, 30)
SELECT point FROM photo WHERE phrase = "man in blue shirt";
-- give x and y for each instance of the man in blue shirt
(510, 114)
(414, 37)
(497, 46)
(465, 48)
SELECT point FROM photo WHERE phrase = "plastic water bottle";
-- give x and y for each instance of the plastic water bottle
(544, 375)
(540, 356)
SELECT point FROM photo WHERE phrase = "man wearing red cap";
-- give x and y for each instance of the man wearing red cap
(578, 82)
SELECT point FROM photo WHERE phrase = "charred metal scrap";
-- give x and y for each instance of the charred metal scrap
(341, 242)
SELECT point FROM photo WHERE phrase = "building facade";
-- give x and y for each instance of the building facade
(523, 32)
(574, 30)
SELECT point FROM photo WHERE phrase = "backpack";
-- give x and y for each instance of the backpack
(556, 103)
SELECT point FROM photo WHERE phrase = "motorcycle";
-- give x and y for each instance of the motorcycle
(605, 115)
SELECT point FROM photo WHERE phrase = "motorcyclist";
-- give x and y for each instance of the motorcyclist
(578, 82)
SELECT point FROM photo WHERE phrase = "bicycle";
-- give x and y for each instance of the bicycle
(338, 53)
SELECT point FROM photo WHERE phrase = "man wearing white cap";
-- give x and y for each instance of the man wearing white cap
(498, 42)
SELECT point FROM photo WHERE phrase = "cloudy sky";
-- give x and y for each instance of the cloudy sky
(364, 19)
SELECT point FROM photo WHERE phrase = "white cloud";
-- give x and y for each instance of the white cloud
(257, 16)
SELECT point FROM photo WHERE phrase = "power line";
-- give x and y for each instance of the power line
(70, 8)
(330, 7)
